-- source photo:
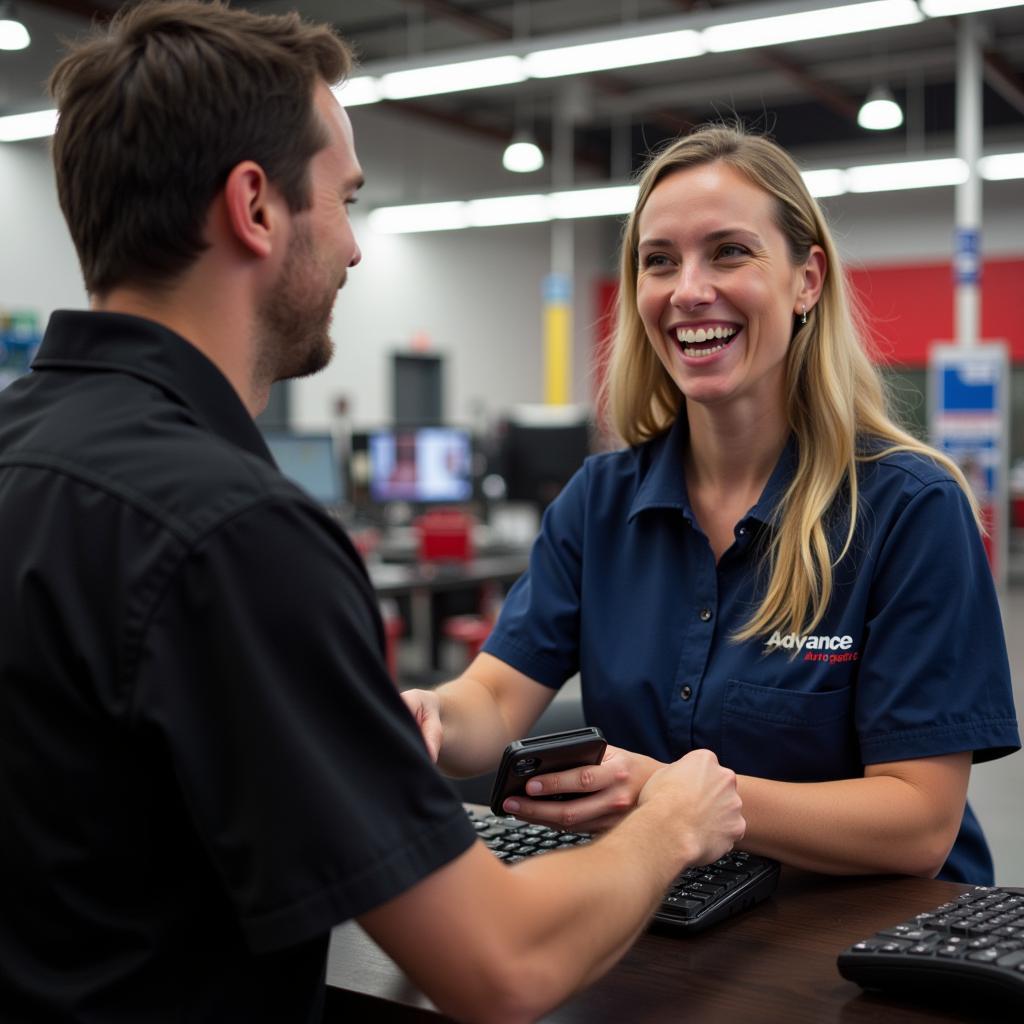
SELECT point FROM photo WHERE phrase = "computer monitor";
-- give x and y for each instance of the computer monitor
(310, 460)
(539, 450)
(421, 465)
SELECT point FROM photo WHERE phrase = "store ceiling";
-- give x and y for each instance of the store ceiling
(806, 94)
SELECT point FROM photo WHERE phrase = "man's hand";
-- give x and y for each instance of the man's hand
(708, 807)
(426, 709)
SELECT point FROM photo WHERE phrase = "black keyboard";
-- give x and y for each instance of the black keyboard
(970, 948)
(697, 899)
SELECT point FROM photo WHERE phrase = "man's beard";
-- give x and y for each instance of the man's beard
(294, 319)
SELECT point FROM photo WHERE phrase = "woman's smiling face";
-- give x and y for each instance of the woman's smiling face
(716, 286)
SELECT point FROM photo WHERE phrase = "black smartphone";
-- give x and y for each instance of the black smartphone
(537, 755)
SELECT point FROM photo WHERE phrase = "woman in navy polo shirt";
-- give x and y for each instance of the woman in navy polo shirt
(772, 569)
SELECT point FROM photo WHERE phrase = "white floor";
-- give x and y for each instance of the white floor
(997, 787)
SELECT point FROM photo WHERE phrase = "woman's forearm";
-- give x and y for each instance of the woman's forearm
(475, 732)
(901, 818)
(482, 711)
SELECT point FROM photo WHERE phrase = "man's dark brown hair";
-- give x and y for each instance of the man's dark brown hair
(158, 106)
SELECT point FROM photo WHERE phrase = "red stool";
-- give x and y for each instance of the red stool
(470, 630)
(394, 628)
(445, 535)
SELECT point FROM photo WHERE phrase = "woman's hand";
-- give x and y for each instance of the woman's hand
(425, 706)
(608, 792)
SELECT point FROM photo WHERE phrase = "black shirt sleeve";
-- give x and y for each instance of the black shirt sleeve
(306, 778)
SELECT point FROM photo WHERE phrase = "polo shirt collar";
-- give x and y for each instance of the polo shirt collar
(120, 343)
(664, 484)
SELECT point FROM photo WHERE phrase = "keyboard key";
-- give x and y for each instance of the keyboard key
(984, 956)
(904, 931)
(706, 887)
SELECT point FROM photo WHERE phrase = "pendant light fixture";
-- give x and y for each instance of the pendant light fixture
(880, 111)
(522, 155)
(13, 34)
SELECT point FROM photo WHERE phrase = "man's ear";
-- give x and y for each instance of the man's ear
(252, 207)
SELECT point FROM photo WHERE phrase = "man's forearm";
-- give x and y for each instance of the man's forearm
(581, 912)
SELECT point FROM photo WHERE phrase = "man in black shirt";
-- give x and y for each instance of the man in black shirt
(203, 763)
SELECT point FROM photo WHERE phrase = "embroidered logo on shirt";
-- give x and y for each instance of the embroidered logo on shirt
(820, 647)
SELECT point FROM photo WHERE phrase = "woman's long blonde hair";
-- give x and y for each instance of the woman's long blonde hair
(835, 399)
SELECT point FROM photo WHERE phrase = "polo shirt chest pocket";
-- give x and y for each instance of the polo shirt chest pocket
(788, 735)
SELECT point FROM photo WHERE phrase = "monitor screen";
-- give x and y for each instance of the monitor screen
(311, 462)
(539, 453)
(421, 464)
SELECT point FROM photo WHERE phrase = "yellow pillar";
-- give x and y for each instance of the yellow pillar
(557, 339)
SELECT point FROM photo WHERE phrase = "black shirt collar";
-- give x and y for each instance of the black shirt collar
(119, 343)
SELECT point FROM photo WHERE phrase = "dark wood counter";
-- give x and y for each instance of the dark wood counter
(775, 963)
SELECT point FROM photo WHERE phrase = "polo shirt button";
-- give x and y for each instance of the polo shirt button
(705, 615)
(685, 693)
(742, 531)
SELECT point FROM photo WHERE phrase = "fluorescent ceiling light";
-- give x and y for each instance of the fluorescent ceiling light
(1002, 167)
(354, 92)
(468, 74)
(617, 200)
(614, 53)
(914, 174)
(947, 8)
(37, 125)
(531, 209)
(594, 202)
(400, 220)
(828, 21)
(826, 182)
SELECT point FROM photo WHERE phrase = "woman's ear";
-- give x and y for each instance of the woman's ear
(813, 280)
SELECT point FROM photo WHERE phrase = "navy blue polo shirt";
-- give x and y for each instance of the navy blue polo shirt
(909, 660)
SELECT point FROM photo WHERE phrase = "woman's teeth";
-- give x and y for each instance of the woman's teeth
(689, 338)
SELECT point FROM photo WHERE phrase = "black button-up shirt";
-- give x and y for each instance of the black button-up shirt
(203, 764)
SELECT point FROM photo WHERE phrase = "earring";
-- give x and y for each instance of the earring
(803, 318)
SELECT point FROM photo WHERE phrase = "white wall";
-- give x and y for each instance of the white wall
(38, 267)
(475, 294)
(917, 225)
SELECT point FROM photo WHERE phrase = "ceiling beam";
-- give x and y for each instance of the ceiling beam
(481, 23)
(772, 57)
(609, 84)
(83, 8)
(1002, 77)
(824, 92)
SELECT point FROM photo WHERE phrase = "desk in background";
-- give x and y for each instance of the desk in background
(421, 581)
(774, 964)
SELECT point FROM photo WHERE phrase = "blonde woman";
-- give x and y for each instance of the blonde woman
(771, 569)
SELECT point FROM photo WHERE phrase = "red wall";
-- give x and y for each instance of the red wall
(907, 306)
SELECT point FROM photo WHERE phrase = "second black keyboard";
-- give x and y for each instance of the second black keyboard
(970, 947)
(697, 899)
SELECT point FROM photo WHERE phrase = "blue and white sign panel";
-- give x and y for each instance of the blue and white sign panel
(970, 421)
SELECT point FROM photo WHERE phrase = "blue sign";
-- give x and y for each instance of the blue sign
(967, 256)
(969, 388)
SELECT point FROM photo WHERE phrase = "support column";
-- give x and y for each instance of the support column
(558, 285)
(967, 253)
